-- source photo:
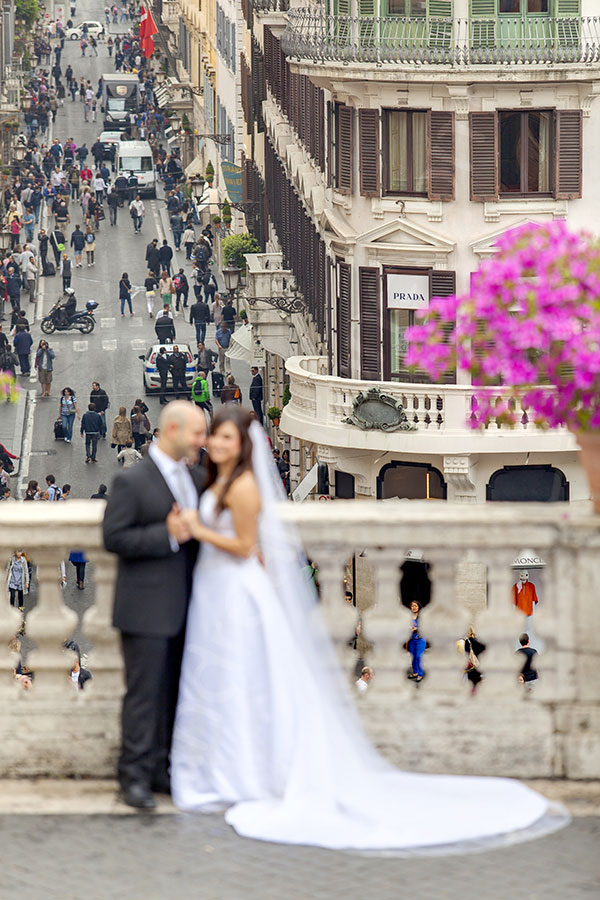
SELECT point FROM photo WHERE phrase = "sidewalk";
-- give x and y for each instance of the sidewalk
(159, 857)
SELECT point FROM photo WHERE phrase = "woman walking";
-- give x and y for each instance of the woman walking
(18, 579)
(90, 246)
(77, 559)
(121, 430)
(66, 270)
(151, 286)
(125, 294)
(140, 427)
(68, 410)
(166, 288)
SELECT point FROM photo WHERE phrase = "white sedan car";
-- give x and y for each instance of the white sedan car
(151, 378)
(94, 29)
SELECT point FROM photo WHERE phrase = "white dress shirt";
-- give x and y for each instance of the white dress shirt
(178, 480)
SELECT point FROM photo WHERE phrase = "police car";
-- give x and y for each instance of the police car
(150, 376)
(109, 141)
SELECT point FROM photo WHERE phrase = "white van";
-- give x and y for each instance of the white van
(136, 157)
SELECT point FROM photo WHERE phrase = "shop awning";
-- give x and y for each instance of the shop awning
(194, 168)
(241, 344)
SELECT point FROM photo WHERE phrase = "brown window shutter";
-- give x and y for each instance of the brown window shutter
(370, 334)
(368, 143)
(320, 139)
(344, 148)
(483, 147)
(443, 284)
(344, 319)
(440, 148)
(330, 143)
(569, 126)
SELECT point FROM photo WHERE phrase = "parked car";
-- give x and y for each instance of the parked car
(94, 29)
(150, 376)
(109, 141)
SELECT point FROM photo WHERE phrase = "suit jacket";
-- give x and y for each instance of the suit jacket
(153, 583)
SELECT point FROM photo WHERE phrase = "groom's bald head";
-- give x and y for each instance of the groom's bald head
(182, 430)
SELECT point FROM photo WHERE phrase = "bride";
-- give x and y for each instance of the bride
(265, 724)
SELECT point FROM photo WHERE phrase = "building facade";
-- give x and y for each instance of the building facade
(397, 139)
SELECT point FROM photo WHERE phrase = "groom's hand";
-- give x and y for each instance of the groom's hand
(177, 526)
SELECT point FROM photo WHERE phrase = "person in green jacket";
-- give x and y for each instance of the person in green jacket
(201, 393)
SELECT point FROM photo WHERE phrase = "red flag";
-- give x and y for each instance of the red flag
(147, 30)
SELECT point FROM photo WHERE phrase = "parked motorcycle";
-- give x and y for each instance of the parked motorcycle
(64, 316)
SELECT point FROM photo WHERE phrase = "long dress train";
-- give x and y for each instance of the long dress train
(260, 731)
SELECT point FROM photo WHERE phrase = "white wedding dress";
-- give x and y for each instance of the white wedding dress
(269, 731)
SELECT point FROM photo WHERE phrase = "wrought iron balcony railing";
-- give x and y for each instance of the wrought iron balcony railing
(311, 34)
(271, 5)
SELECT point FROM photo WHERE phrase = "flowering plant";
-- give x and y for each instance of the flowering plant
(8, 387)
(531, 324)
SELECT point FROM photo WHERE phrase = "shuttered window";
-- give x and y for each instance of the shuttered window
(440, 149)
(483, 147)
(512, 151)
(344, 147)
(370, 332)
(569, 152)
(368, 143)
(344, 319)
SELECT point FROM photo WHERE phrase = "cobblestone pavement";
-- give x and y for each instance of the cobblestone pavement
(179, 856)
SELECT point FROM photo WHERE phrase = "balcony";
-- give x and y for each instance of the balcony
(171, 12)
(437, 413)
(311, 34)
(54, 730)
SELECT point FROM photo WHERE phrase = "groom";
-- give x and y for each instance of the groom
(144, 526)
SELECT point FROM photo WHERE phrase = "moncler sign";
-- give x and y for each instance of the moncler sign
(407, 291)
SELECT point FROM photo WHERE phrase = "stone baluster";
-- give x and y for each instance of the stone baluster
(383, 623)
(442, 623)
(10, 622)
(49, 625)
(105, 660)
(500, 625)
(339, 617)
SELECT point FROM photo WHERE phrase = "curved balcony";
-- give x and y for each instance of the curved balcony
(438, 414)
(314, 35)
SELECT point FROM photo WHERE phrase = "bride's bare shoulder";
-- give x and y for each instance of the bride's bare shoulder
(244, 491)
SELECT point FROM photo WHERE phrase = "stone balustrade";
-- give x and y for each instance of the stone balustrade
(52, 729)
(170, 12)
(438, 414)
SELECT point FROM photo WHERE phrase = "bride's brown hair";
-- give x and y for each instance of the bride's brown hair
(242, 420)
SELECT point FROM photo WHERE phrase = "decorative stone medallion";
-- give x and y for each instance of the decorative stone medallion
(374, 411)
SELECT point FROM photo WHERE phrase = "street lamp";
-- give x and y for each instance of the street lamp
(175, 123)
(198, 183)
(231, 277)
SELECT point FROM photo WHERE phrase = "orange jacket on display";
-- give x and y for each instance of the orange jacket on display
(525, 598)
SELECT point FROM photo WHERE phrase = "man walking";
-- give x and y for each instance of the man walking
(152, 257)
(137, 211)
(43, 364)
(91, 425)
(22, 343)
(200, 317)
(156, 560)
(201, 393)
(222, 340)
(165, 256)
(256, 393)
(78, 243)
(99, 398)
(178, 364)
(177, 229)
(163, 368)
(112, 200)
(206, 358)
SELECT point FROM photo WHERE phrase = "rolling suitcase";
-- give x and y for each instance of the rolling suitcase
(59, 432)
(49, 269)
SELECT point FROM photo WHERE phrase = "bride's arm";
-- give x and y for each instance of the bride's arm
(243, 499)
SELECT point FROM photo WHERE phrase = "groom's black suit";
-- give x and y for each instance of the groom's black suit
(151, 599)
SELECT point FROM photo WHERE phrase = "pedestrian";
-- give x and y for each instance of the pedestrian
(140, 427)
(217, 311)
(177, 228)
(137, 211)
(151, 286)
(165, 256)
(366, 673)
(74, 182)
(112, 200)
(13, 286)
(30, 275)
(416, 645)
(256, 393)
(28, 223)
(472, 648)
(178, 365)
(43, 363)
(200, 317)
(91, 427)
(152, 257)
(66, 270)
(128, 456)
(188, 240)
(528, 675)
(121, 430)
(201, 393)
(206, 358)
(78, 243)
(125, 294)
(77, 559)
(210, 286)
(99, 398)
(166, 289)
(90, 246)
(222, 340)
(22, 342)
(229, 315)
(66, 492)
(102, 493)
(110, 45)
(231, 393)
(99, 187)
(18, 579)
(67, 410)
(163, 368)
(164, 327)
(43, 241)
(52, 489)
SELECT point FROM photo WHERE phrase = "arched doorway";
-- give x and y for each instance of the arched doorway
(410, 481)
(528, 484)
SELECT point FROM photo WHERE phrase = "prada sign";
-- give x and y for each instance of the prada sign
(407, 291)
